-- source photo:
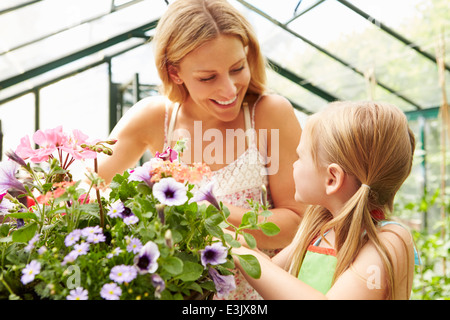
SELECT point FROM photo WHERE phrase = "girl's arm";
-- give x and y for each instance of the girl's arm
(275, 282)
(365, 279)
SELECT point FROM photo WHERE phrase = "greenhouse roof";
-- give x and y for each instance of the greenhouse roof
(318, 50)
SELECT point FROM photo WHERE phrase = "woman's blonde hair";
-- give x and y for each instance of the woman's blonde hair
(372, 142)
(187, 24)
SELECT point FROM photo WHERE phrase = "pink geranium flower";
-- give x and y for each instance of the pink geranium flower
(72, 145)
(52, 140)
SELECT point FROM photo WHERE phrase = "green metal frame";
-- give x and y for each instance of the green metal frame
(326, 52)
(141, 32)
(137, 32)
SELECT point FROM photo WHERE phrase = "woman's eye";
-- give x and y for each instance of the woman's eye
(238, 69)
(206, 79)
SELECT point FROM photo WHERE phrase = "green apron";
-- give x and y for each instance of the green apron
(318, 267)
(319, 264)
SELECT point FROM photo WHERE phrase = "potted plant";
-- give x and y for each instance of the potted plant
(153, 235)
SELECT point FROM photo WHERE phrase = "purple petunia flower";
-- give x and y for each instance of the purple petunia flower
(143, 173)
(224, 284)
(214, 254)
(146, 260)
(5, 204)
(206, 193)
(123, 273)
(170, 192)
(111, 291)
(8, 180)
(159, 285)
(78, 294)
(30, 270)
(15, 157)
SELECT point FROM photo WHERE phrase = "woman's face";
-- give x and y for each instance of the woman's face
(216, 76)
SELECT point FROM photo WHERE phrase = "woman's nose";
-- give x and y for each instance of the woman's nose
(228, 87)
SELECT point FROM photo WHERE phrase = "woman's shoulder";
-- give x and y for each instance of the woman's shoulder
(151, 106)
(274, 110)
(143, 120)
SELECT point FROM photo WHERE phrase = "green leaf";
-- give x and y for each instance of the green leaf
(266, 213)
(212, 225)
(269, 228)
(6, 239)
(250, 265)
(191, 271)
(249, 220)
(172, 265)
(251, 241)
(231, 241)
(25, 233)
(23, 215)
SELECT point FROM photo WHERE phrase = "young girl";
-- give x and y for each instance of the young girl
(352, 159)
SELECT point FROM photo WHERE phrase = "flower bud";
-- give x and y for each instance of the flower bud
(111, 141)
(168, 238)
(160, 211)
(264, 195)
(107, 151)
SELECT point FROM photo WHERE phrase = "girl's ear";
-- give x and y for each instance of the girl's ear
(173, 74)
(334, 178)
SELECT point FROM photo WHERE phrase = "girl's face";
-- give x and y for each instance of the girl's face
(308, 178)
(216, 76)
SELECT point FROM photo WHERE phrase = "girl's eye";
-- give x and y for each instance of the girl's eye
(238, 69)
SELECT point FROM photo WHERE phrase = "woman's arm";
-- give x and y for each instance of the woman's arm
(141, 128)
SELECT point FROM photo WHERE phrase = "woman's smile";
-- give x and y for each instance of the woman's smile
(226, 104)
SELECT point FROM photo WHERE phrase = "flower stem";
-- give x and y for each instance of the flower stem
(99, 200)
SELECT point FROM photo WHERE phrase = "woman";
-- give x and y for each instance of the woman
(213, 77)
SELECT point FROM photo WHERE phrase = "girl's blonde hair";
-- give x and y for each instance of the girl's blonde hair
(188, 24)
(372, 142)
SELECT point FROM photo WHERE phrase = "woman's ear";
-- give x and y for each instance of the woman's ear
(335, 177)
(173, 74)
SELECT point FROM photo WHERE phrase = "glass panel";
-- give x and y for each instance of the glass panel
(79, 102)
(17, 120)
(68, 41)
(302, 97)
(364, 46)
